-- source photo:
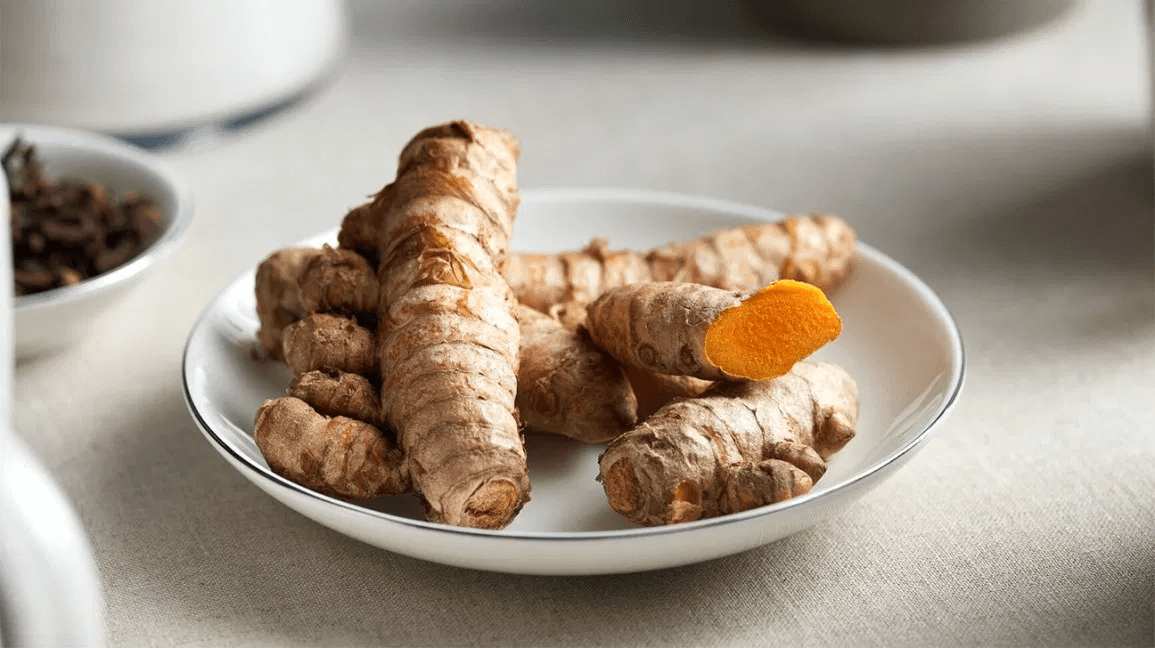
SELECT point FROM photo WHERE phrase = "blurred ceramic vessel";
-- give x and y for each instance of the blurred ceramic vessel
(909, 21)
(50, 592)
(51, 320)
(142, 66)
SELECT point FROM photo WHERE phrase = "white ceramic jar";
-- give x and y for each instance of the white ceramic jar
(50, 589)
(142, 66)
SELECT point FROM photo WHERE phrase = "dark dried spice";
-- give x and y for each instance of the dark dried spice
(67, 231)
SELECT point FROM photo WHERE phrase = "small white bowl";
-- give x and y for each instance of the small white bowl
(54, 319)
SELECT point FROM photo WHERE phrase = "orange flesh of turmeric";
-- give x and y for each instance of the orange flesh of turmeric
(766, 334)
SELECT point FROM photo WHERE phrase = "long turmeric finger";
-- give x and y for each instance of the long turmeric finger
(710, 333)
(815, 248)
(337, 456)
(448, 340)
(738, 446)
(566, 385)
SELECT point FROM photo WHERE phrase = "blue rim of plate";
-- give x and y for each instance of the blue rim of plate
(602, 194)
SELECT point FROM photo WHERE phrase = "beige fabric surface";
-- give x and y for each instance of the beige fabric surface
(1014, 176)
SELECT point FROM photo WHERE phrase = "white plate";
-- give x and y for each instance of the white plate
(899, 343)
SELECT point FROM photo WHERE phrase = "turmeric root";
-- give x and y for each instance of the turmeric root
(360, 232)
(294, 282)
(336, 456)
(654, 390)
(338, 280)
(651, 389)
(817, 249)
(739, 446)
(346, 455)
(710, 333)
(568, 386)
(338, 393)
(329, 343)
(279, 296)
(572, 315)
(448, 340)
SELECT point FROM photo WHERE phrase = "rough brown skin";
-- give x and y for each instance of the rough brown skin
(654, 390)
(713, 334)
(294, 282)
(279, 296)
(325, 342)
(336, 456)
(568, 386)
(338, 280)
(651, 390)
(339, 393)
(345, 456)
(448, 340)
(816, 248)
(572, 315)
(738, 446)
(360, 232)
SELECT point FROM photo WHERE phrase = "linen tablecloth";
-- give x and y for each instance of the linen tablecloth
(1013, 175)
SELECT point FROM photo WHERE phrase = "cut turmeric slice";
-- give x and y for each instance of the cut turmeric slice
(766, 334)
(710, 333)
